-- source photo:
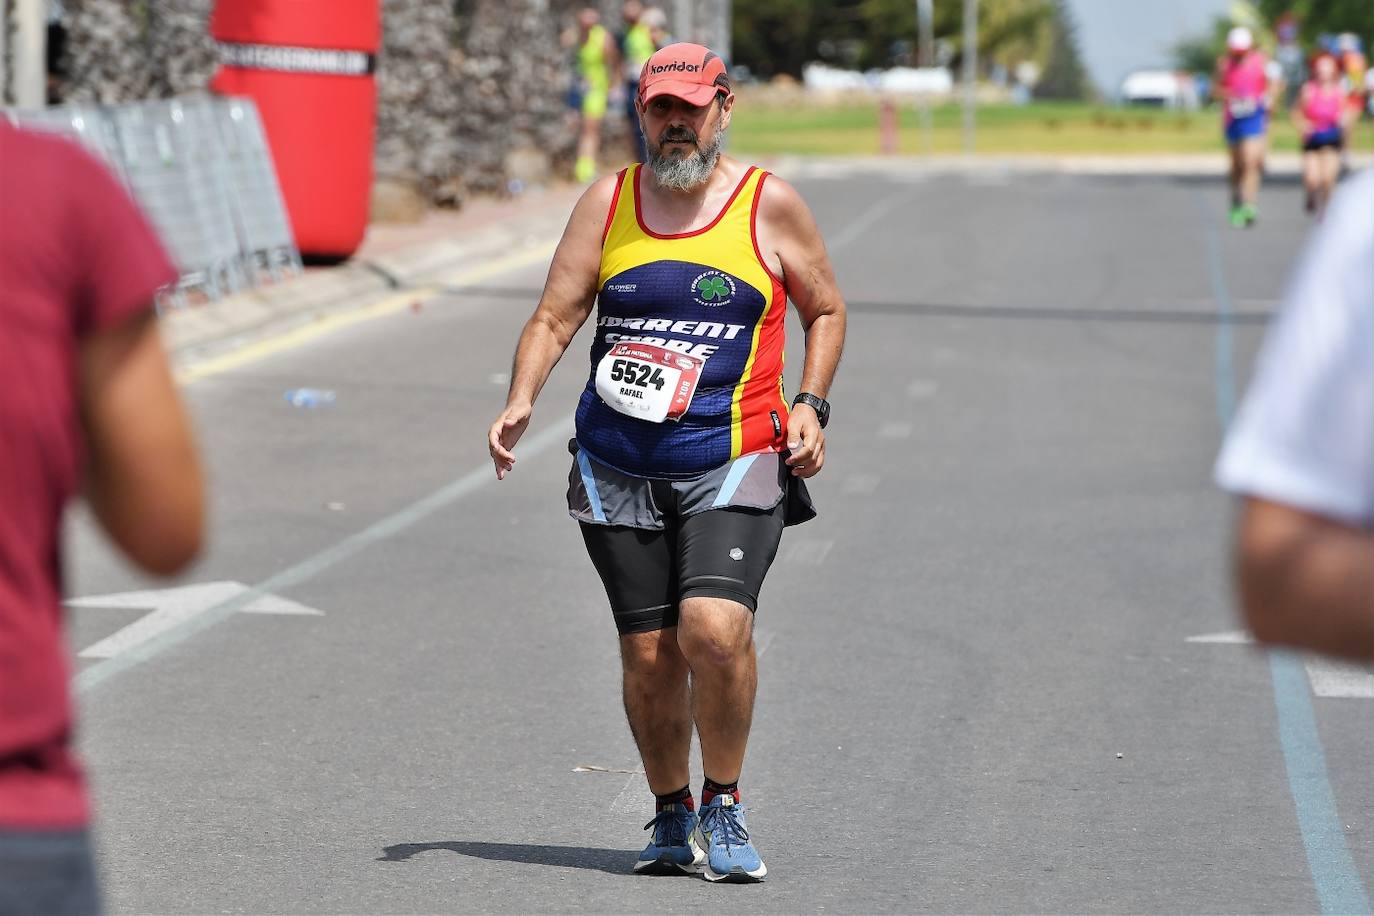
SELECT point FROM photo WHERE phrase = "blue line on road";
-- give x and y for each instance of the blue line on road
(310, 567)
(1337, 880)
(1223, 365)
(1339, 887)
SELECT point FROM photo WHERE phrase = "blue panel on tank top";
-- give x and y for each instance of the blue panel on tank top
(689, 306)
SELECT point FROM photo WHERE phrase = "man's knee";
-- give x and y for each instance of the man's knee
(653, 655)
(715, 632)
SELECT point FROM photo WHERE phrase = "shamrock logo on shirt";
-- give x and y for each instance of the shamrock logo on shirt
(712, 288)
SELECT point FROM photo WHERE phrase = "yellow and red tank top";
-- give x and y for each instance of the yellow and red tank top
(707, 294)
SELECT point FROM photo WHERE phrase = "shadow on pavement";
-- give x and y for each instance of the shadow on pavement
(1219, 179)
(614, 861)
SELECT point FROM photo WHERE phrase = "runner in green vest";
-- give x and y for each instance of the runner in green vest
(597, 60)
(636, 47)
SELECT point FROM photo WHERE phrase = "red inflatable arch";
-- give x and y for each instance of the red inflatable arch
(309, 64)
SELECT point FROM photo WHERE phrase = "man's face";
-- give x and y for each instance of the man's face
(683, 140)
(674, 129)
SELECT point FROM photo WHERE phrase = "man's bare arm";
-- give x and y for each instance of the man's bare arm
(144, 479)
(807, 274)
(569, 293)
(1306, 581)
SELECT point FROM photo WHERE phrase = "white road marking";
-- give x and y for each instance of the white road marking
(894, 431)
(1230, 637)
(763, 638)
(631, 798)
(1338, 679)
(860, 484)
(170, 607)
(867, 220)
(811, 551)
(922, 389)
(1328, 678)
(381, 530)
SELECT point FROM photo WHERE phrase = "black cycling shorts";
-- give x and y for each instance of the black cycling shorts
(655, 542)
(720, 553)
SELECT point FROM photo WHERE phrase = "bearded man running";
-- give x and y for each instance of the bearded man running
(689, 460)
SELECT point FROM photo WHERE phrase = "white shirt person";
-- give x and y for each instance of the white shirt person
(1301, 450)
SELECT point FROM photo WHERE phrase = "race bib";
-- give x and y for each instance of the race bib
(647, 382)
(1243, 108)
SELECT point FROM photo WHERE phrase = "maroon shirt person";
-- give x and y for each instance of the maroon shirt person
(87, 402)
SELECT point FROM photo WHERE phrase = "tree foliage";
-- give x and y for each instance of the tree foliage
(1316, 17)
(781, 36)
(1065, 76)
(1324, 16)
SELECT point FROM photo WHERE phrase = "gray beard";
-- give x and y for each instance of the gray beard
(689, 172)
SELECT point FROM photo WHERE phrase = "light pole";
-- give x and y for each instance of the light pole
(29, 53)
(724, 24)
(925, 59)
(925, 33)
(970, 73)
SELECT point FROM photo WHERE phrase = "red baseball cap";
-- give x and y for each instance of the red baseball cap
(689, 72)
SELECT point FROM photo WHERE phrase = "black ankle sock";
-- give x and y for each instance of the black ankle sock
(710, 789)
(682, 796)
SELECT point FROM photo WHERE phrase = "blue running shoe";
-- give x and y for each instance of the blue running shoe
(729, 854)
(673, 848)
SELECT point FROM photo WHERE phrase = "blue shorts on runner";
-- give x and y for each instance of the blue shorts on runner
(1255, 125)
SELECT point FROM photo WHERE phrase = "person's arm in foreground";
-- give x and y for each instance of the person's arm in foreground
(1301, 450)
(569, 293)
(143, 476)
(810, 282)
(1306, 581)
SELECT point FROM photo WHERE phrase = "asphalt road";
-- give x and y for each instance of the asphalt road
(977, 692)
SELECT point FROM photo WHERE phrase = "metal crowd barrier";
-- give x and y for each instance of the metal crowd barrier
(201, 170)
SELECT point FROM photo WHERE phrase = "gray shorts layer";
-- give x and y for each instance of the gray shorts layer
(598, 494)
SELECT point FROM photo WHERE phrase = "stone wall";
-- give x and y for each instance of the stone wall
(108, 58)
(470, 92)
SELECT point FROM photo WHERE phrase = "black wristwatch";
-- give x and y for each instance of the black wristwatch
(819, 405)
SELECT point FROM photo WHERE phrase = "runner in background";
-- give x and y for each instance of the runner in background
(1291, 60)
(1356, 68)
(1244, 89)
(636, 47)
(656, 21)
(597, 63)
(1323, 118)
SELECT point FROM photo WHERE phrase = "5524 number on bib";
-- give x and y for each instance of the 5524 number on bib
(648, 382)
